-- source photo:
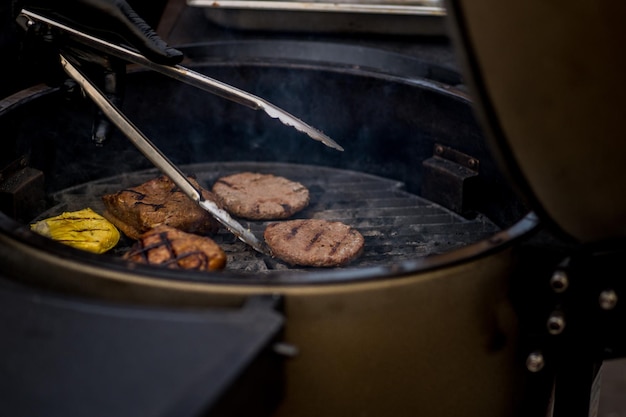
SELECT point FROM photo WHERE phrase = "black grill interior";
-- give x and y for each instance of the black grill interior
(389, 125)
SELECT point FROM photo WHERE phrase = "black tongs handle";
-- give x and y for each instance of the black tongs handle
(190, 77)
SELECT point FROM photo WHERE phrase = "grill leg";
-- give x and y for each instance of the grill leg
(577, 389)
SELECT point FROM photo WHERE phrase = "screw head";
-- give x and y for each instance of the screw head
(535, 361)
(608, 299)
(559, 281)
(556, 323)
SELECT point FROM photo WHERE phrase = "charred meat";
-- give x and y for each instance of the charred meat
(172, 248)
(158, 202)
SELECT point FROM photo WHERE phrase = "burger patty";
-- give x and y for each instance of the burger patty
(170, 247)
(158, 202)
(314, 242)
(256, 196)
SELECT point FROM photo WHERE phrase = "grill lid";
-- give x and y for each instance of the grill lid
(551, 99)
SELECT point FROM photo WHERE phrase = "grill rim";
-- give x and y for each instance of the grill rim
(13, 235)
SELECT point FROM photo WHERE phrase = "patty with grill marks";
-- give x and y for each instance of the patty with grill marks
(314, 242)
(256, 196)
(175, 249)
(155, 202)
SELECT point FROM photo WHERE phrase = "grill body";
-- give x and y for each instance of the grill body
(423, 326)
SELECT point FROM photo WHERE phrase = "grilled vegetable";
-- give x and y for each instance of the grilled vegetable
(84, 229)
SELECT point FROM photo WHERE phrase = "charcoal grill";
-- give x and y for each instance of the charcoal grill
(433, 319)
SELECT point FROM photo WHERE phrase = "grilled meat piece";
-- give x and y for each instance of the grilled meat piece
(314, 242)
(255, 196)
(156, 202)
(170, 247)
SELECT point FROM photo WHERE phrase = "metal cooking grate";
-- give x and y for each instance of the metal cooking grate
(396, 225)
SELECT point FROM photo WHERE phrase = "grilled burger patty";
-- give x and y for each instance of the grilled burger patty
(156, 202)
(314, 242)
(256, 196)
(170, 247)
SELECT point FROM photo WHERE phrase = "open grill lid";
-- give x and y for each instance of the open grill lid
(549, 86)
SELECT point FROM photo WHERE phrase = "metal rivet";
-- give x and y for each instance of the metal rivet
(535, 362)
(559, 281)
(556, 323)
(608, 299)
(285, 349)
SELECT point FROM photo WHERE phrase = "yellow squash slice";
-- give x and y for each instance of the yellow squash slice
(84, 229)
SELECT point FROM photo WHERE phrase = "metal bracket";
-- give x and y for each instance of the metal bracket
(448, 178)
(21, 190)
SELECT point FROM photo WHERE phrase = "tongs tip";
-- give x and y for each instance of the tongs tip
(290, 120)
(329, 142)
(325, 140)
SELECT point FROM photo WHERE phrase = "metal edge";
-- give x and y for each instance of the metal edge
(375, 8)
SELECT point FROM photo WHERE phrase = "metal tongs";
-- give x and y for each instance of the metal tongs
(145, 146)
